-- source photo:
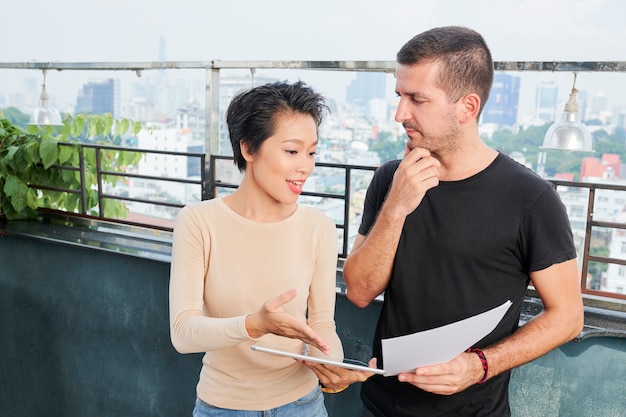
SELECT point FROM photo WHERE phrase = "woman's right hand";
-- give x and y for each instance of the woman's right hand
(271, 318)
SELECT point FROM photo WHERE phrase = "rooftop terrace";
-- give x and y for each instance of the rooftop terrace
(84, 297)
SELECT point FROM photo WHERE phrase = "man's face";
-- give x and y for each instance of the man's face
(424, 110)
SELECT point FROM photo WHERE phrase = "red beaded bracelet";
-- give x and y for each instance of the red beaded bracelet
(483, 361)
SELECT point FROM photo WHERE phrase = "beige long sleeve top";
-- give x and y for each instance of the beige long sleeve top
(225, 267)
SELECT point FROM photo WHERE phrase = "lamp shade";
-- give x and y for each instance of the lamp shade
(45, 115)
(569, 134)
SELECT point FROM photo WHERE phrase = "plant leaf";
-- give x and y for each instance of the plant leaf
(31, 199)
(136, 127)
(107, 124)
(49, 152)
(122, 127)
(65, 153)
(16, 190)
(78, 125)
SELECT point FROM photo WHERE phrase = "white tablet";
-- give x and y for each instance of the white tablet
(348, 363)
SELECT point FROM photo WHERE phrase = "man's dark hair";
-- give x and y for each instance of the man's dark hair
(466, 63)
(252, 114)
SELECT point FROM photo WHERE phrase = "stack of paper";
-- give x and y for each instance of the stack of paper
(439, 345)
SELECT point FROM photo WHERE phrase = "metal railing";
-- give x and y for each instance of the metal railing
(102, 195)
(215, 184)
(212, 75)
(209, 183)
(344, 225)
(590, 224)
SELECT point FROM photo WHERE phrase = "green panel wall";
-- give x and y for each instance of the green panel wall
(85, 333)
(579, 379)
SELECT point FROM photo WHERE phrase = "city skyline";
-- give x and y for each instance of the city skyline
(523, 30)
(68, 100)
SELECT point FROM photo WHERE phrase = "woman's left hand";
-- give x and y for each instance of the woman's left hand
(337, 378)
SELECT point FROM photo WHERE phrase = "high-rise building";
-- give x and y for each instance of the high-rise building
(546, 101)
(598, 106)
(98, 97)
(367, 86)
(229, 87)
(501, 108)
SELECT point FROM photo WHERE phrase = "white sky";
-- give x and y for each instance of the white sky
(203, 30)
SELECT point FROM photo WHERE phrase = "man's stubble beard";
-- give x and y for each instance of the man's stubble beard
(444, 144)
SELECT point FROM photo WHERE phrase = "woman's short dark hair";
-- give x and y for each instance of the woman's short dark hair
(252, 114)
(466, 63)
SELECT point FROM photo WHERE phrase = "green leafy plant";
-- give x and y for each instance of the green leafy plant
(40, 166)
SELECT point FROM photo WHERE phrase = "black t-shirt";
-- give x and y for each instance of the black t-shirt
(468, 247)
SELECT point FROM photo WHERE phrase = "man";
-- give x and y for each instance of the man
(454, 229)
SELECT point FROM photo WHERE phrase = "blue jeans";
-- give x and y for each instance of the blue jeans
(311, 405)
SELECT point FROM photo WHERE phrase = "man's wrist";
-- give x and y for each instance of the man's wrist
(483, 362)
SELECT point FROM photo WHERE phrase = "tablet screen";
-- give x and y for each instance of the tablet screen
(347, 363)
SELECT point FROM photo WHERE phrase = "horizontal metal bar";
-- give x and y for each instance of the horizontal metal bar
(56, 189)
(610, 225)
(378, 66)
(136, 150)
(63, 167)
(219, 183)
(384, 66)
(590, 185)
(324, 195)
(151, 177)
(140, 200)
(607, 260)
(610, 297)
(108, 66)
(344, 166)
(567, 66)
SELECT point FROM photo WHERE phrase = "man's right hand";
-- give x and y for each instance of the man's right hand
(417, 173)
(367, 270)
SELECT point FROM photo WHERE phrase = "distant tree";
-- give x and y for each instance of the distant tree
(502, 140)
(16, 117)
(594, 122)
(614, 143)
(596, 269)
(599, 135)
(523, 141)
(608, 146)
(386, 148)
(528, 141)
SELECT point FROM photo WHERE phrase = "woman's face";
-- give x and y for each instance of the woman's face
(286, 159)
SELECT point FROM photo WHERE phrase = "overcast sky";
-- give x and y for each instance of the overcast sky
(203, 30)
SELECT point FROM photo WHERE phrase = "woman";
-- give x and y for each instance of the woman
(256, 267)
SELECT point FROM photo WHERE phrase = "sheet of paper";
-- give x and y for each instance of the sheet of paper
(439, 345)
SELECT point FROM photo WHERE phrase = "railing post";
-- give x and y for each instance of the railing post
(83, 188)
(212, 138)
(587, 243)
(99, 178)
(346, 210)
